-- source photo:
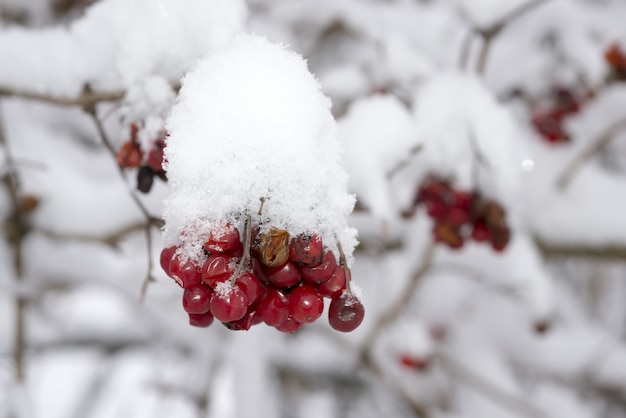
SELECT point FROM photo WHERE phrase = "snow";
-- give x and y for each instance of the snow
(251, 123)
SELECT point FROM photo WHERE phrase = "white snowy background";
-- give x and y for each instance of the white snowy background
(416, 87)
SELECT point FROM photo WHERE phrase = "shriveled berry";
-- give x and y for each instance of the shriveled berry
(201, 320)
(290, 325)
(305, 304)
(228, 303)
(500, 238)
(285, 276)
(322, 272)
(306, 249)
(217, 268)
(273, 308)
(196, 299)
(333, 287)
(345, 313)
(224, 240)
(129, 155)
(272, 247)
(28, 203)
(186, 273)
(447, 234)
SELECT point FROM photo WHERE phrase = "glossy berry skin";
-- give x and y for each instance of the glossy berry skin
(216, 269)
(185, 273)
(225, 240)
(305, 304)
(273, 308)
(166, 257)
(228, 303)
(335, 285)
(345, 313)
(196, 299)
(129, 155)
(251, 285)
(290, 325)
(285, 276)
(201, 320)
(306, 250)
(322, 272)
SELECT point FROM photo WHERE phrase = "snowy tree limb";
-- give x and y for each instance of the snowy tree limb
(85, 99)
(592, 149)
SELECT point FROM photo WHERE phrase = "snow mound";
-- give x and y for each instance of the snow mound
(251, 123)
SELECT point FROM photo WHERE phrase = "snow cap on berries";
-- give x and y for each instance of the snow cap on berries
(251, 123)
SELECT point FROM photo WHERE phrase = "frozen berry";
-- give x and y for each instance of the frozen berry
(224, 240)
(305, 304)
(228, 303)
(285, 276)
(290, 325)
(217, 268)
(335, 285)
(306, 249)
(251, 285)
(272, 247)
(273, 308)
(166, 257)
(201, 320)
(244, 323)
(322, 272)
(345, 313)
(196, 299)
(155, 156)
(186, 273)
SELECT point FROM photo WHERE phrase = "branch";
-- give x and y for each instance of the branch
(406, 161)
(85, 99)
(594, 147)
(507, 400)
(607, 252)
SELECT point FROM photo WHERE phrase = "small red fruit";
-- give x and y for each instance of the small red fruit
(129, 155)
(185, 273)
(273, 308)
(196, 299)
(166, 257)
(290, 325)
(306, 249)
(201, 320)
(224, 240)
(335, 285)
(345, 313)
(217, 268)
(305, 304)
(285, 276)
(251, 285)
(228, 303)
(322, 272)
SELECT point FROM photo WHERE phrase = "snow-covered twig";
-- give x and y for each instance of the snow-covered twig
(608, 252)
(86, 99)
(594, 147)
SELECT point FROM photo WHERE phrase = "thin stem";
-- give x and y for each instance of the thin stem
(247, 242)
(594, 147)
(344, 264)
(85, 99)
(148, 224)
(406, 161)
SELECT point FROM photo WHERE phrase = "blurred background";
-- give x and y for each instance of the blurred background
(485, 142)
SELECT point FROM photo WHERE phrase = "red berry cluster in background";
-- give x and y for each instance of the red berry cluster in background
(150, 164)
(461, 215)
(549, 121)
(616, 59)
(282, 281)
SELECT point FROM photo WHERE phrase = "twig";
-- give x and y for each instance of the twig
(404, 162)
(594, 147)
(465, 49)
(85, 99)
(16, 229)
(147, 226)
(507, 400)
(396, 308)
(605, 252)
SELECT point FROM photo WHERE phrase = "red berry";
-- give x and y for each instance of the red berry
(244, 323)
(251, 285)
(196, 299)
(224, 240)
(481, 232)
(217, 268)
(290, 325)
(305, 304)
(129, 155)
(335, 285)
(166, 257)
(615, 57)
(549, 125)
(322, 272)
(436, 209)
(457, 216)
(201, 320)
(463, 199)
(285, 276)
(345, 313)
(228, 303)
(155, 157)
(186, 274)
(306, 249)
(414, 362)
(273, 308)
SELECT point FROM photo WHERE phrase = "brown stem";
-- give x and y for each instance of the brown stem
(247, 242)
(592, 149)
(344, 264)
(85, 99)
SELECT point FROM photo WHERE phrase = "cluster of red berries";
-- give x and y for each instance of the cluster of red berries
(460, 215)
(150, 164)
(616, 59)
(549, 121)
(280, 281)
